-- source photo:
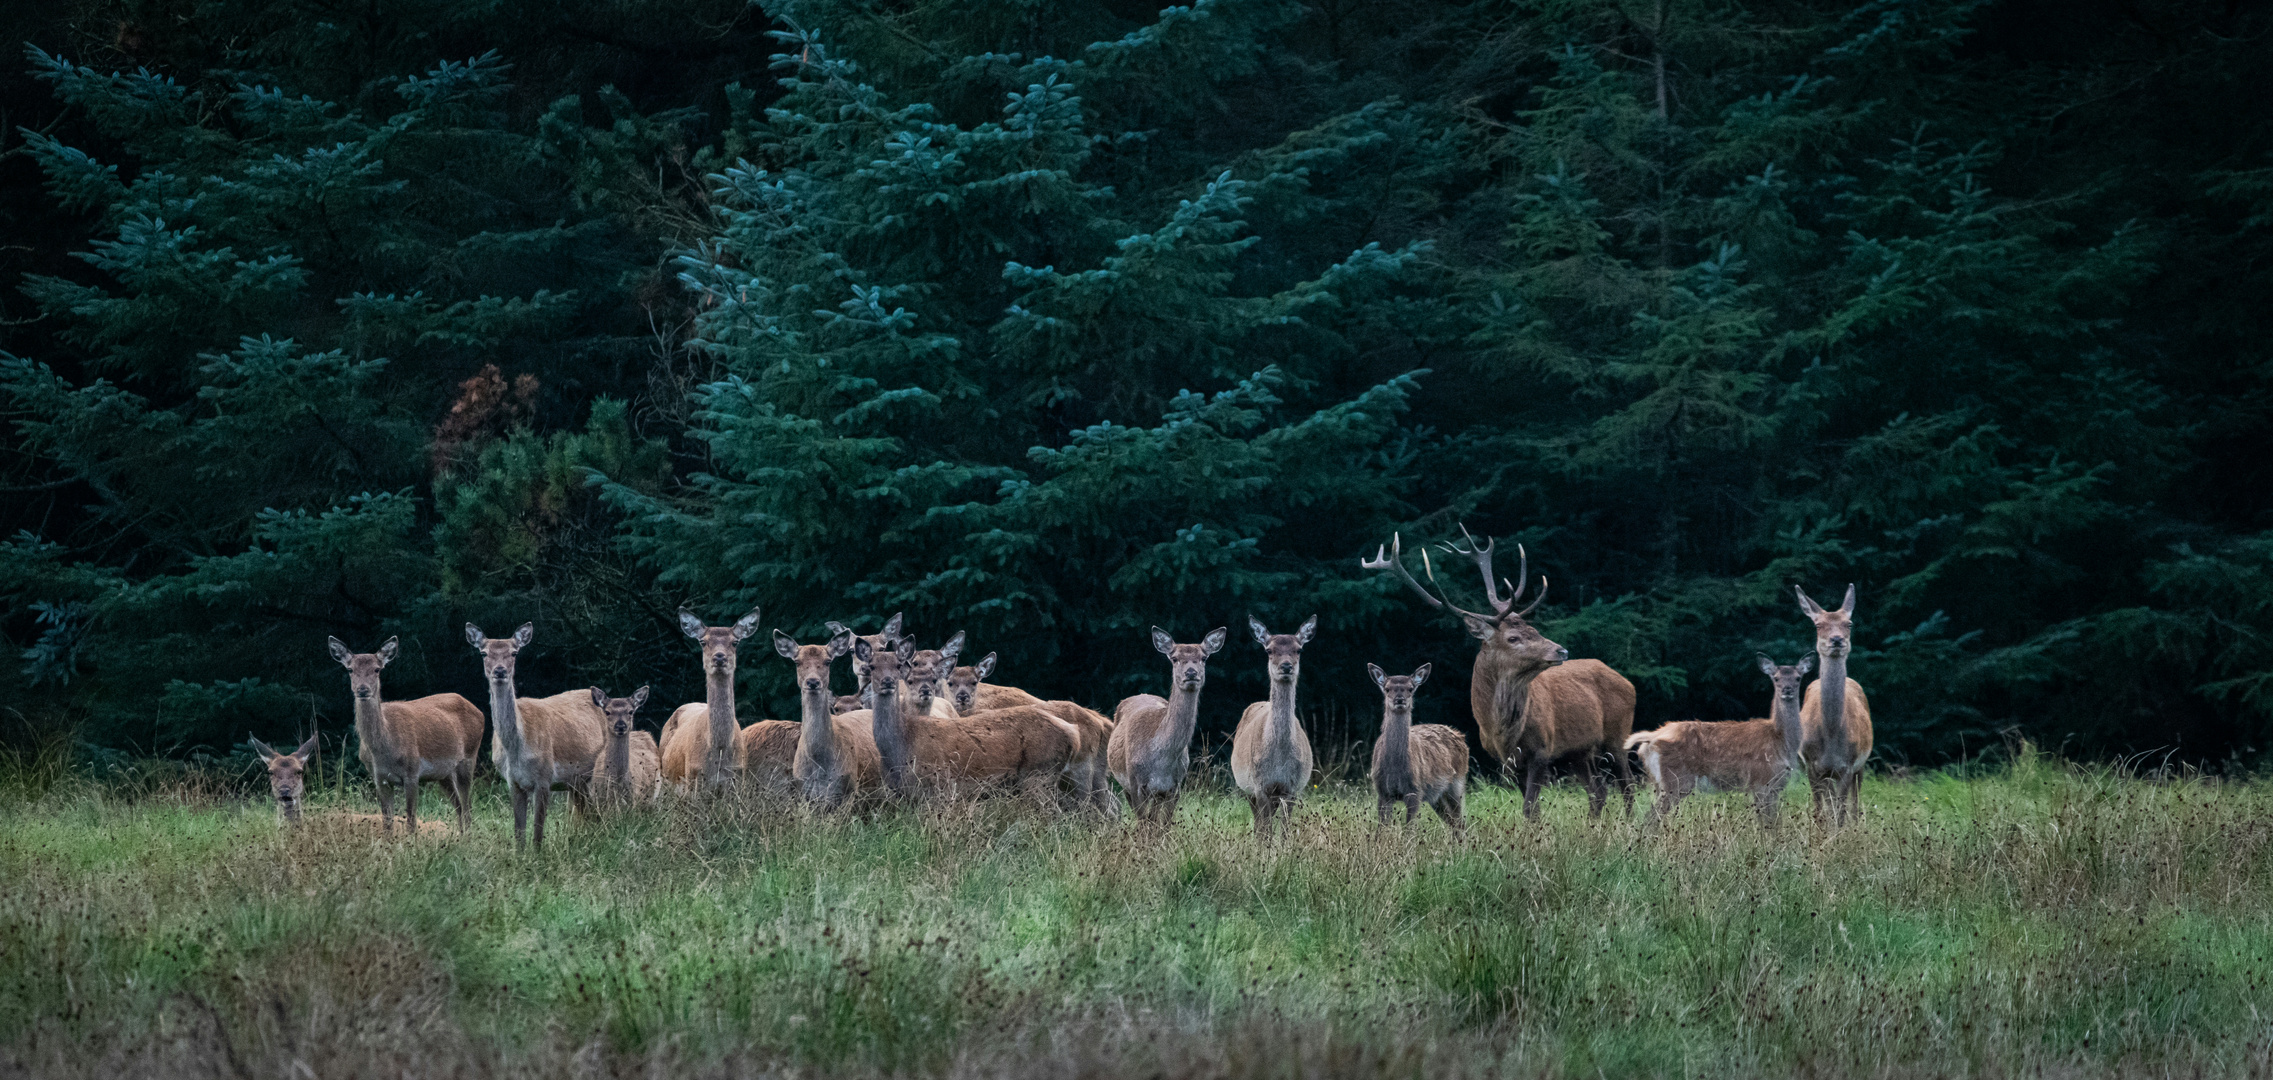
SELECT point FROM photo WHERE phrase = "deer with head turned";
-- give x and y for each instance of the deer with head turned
(1834, 752)
(1529, 697)
(1754, 756)
(1416, 763)
(699, 739)
(1270, 755)
(539, 743)
(1025, 747)
(836, 755)
(287, 776)
(406, 743)
(1150, 750)
(629, 770)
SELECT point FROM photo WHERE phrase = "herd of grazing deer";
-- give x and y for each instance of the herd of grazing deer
(918, 725)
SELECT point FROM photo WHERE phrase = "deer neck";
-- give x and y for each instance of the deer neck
(506, 714)
(1394, 767)
(1786, 713)
(1183, 719)
(892, 739)
(718, 696)
(1499, 692)
(371, 724)
(816, 737)
(1831, 695)
(619, 759)
(1278, 730)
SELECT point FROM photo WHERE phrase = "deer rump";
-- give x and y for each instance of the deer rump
(1712, 755)
(425, 738)
(1000, 747)
(1575, 706)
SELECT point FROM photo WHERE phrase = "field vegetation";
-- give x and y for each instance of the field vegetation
(2035, 918)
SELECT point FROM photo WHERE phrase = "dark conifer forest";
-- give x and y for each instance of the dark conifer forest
(1052, 321)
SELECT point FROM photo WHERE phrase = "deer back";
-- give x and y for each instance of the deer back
(437, 729)
(1577, 705)
(685, 740)
(997, 746)
(1718, 755)
(1440, 758)
(765, 754)
(565, 732)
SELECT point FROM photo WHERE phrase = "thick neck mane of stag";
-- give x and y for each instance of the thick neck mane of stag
(1527, 695)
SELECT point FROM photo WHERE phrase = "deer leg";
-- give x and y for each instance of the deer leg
(1381, 806)
(580, 797)
(1597, 789)
(461, 783)
(544, 802)
(520, 815)
(1818, 790)
(1854, 786)
(410, 804)
(1453, 810)
(1164, 808)
(1625, 778)
(1765, 802)
(386, 807)
(1534, 771)
(1412, 808)
(1261, 804)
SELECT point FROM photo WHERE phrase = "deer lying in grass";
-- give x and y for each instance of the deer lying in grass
(540, 743)
(927, 681)
(406, 743)
(969, 692)
(287, 776)
(1835, 753)
(628, 771)
(1025, 747)
(1150, 750)
(1755, 756)
(1270, 754)
(1529, 697)
(844, 703)
(700, 738)
(835, 758)
(1415, 764)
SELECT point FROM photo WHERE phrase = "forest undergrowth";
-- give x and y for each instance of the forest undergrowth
(2037, 919)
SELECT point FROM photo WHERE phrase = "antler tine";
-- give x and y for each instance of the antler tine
(1482, 554)
(1395, 560)
(1535, 600)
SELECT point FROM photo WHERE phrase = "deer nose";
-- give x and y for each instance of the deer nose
(812, 684)
(1561, 654)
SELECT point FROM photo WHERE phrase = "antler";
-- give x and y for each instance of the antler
(1393, 558)
(1482, 554)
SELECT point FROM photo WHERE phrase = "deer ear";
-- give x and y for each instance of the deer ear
(1767, 666)
(1810, 607)
(840, 643)
(474, 636)
(387, 652)
(266, 755)
(600, 698)
(862, 650)
(340, 652)
(1213, 643)
(746, 625)
(892, 626)
(1162, 643)
(1807, 663)
(1479, 627)
(1420, 675)
(305, 749)
(907, 650)
(639, 697)
(986, 666)
(951, 650)
(1848, 608)
(522, 637)
(689, 625)
(787, 646)
(1308, 631)
(1380, 677)
(1262, 635)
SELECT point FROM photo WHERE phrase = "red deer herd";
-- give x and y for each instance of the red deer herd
(918, 726)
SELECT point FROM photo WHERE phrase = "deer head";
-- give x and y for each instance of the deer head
(928, 672)
(813, 661)
(887, 666)
(1282, 653)
(1834, 630)
(287, 774)
(363, 668)
(1188, 664)
(719, 643)
(499, 654)
(1790, 681)
(619, 710)
(844, 703)
(1397, 690)
(963, 683)
(1505, 634)
(877, 642)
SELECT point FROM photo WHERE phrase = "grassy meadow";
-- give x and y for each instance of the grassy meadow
(2041, 919)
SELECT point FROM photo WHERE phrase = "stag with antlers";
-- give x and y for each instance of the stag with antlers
(1530, 699)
